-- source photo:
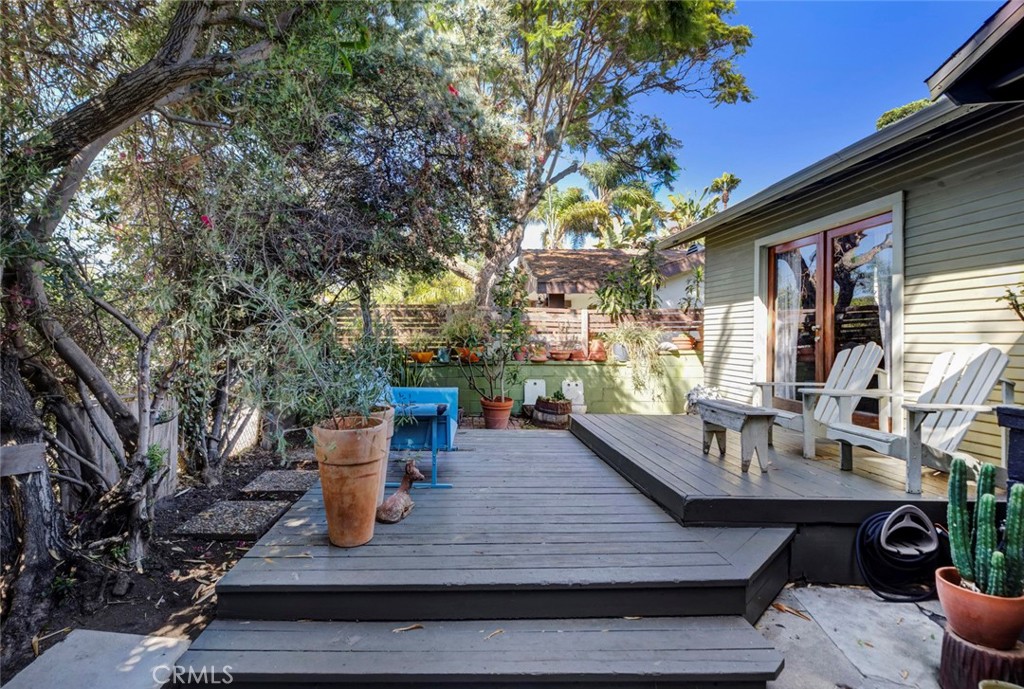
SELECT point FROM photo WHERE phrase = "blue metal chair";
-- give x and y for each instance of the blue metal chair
(425, 418)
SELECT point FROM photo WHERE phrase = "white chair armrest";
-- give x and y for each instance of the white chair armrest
(835, 392)
(1009, 388)
(929, 408)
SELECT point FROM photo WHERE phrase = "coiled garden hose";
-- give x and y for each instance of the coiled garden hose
(902, 577)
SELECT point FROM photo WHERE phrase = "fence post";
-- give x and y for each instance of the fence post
(585, 329)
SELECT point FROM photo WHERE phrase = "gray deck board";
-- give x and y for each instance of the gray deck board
(534, 521)
(648, 652)
(662, 456)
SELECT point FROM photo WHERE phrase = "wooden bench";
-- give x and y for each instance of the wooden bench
(752, 423)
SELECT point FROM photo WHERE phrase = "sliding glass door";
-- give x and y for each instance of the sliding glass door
(828, 292)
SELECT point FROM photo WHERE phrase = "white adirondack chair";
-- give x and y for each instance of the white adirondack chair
(953, 394)
(852, 370)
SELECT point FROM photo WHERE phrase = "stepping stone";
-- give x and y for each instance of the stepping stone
(234, 519)
(282, 483)
(87, 658)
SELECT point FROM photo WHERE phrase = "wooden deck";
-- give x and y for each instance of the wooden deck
(536, 524)
(588, 581)
(661, 455)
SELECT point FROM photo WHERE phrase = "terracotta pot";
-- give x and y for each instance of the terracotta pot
(560, 355)
(496, 412)
(538, 359)
(468, 356)
(578, 355)
(559, 407)
(519, 355)
(348, 451)
(985, 620)
(422, 357)
(387, 414)
(597, 351)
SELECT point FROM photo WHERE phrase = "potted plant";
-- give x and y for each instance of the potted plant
(538, 353)
(495, 338)
(419, 348)
(465, 330)
(981, 594)
(555, 403)
(341, 391)
(641, 345)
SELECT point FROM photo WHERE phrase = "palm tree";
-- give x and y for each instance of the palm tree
(690, 209)
(725, 185)
(618, 208)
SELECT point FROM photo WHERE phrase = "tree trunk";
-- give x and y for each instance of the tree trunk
(32, 516)
(504, 251)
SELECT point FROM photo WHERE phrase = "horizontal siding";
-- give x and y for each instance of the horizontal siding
(963, 244)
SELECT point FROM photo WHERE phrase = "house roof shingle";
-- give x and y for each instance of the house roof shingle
(582, 271)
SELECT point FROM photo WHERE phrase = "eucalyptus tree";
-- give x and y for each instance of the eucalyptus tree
(567, 76)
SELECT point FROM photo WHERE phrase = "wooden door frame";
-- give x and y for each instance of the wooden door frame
(892, 203)
(817, 241)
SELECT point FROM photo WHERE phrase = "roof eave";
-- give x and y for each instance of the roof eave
(907, 129)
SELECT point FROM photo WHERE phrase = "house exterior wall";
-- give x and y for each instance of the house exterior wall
(963, 236)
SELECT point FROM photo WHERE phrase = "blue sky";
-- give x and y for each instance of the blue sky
(822, 72)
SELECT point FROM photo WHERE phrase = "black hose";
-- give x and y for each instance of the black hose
(892, 577)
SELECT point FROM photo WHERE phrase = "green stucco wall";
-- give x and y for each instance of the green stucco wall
(607, 387)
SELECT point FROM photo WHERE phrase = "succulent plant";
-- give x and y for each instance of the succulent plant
(982, 562)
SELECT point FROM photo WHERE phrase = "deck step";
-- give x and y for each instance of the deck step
(459, 558)
(695, 653)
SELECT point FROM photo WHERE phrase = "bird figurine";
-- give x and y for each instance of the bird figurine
(396, 507)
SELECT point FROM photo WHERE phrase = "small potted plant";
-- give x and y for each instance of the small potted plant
(494, 339)
(419, 348)
(555, 403)
(538, 353)
(981, 594)
(562, 352)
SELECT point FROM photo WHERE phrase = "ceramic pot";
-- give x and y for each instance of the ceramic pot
(387, 414)
(496, 412)
(990, 621)
(422, 357)
(560, 355)
(597, 351)
(348, 452)
(578, 355)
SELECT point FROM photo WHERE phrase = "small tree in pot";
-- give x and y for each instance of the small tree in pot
(337, 391)
(493, 340)
(982, 593)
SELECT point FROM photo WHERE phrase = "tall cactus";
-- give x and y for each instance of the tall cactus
(997, 575)
(987, 541)
(986, 486)
(959, 521)
(1014, 543)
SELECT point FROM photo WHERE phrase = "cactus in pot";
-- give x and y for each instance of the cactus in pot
(974, 543)
(981, 593)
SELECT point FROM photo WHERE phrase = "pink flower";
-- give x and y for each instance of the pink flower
(206, 220)
(452, 90)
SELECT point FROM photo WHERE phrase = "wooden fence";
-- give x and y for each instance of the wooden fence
(565, 328)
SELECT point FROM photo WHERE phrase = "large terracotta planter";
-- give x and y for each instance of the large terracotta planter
(985, 620)
(422, 357)
(496, 412)
(387, 414)
(348, 451)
